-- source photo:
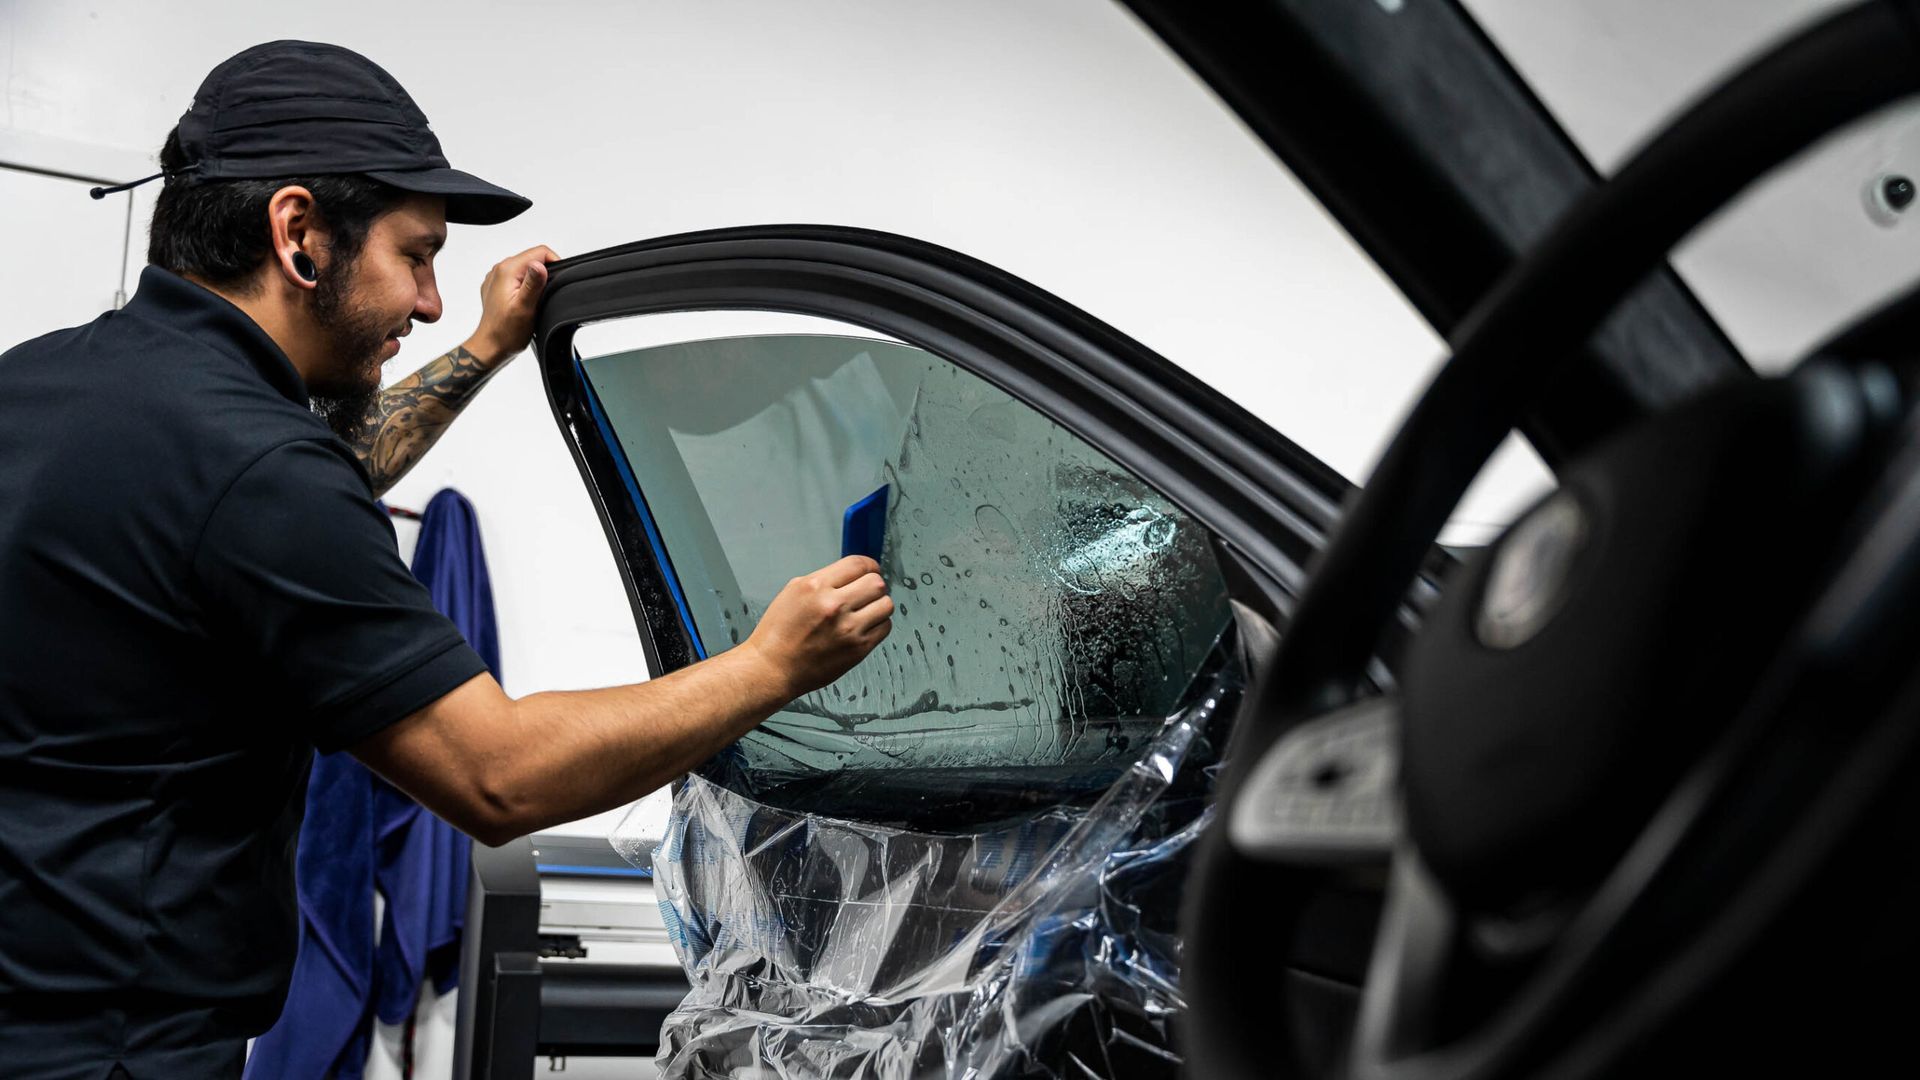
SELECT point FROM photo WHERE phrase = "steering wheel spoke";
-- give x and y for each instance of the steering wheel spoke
(1413, 954)
(1324, 794)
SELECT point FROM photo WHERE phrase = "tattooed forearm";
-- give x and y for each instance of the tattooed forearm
(409, 416)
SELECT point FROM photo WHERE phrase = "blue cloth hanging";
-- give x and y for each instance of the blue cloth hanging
(362, 834)
(424, 859)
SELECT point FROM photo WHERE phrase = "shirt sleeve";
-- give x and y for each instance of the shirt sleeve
(297, 572)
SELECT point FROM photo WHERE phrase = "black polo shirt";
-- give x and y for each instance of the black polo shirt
(196, 591)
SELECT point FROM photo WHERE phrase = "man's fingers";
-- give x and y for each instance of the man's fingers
(527, 270)
(879, 612)
(534, 277)
(863, 591)
(848, 570)
(877, 633)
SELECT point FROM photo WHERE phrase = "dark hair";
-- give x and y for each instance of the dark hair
(216, 230)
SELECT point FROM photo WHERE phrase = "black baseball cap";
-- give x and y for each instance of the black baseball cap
(301, 108)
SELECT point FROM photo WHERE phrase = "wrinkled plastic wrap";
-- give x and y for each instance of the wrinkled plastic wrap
(1042, 946)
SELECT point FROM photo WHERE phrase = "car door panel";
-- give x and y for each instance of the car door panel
(1081, 540)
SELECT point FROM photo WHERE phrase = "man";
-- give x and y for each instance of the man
(196, 589)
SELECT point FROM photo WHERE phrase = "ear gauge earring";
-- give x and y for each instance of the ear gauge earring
(303, 265)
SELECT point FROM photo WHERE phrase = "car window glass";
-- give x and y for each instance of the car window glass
(1052, 609)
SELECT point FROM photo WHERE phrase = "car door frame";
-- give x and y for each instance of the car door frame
(1266, 501)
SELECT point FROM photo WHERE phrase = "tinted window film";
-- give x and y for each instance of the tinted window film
(1052, 609)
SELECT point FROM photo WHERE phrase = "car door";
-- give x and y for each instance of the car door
(1109, 508)
(1083, 542)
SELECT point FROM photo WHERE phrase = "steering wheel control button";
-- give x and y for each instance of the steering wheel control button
(1324, 793)
(1528, 581)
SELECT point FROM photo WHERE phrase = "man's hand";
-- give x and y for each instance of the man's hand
(822, 624)
(508, 299)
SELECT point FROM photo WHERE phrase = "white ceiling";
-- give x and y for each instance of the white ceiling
(1802, 252)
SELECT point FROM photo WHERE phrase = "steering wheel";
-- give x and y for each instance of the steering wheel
(1633, 734)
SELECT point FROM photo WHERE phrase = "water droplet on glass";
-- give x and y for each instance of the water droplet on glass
(996, 528)
(926, 579)
(945, 561)
(999, 419)
(1160, 534)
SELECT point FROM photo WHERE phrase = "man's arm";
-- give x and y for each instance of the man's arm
(498, 768)
(407, 418)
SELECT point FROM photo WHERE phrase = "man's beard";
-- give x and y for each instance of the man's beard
(354, 339)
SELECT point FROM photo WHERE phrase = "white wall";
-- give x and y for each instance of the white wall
(59, 255)
(1801, 253)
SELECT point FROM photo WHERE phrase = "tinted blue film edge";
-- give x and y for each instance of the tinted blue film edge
(620, 462)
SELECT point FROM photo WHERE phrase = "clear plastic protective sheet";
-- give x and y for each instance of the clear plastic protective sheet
(1042, 946)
